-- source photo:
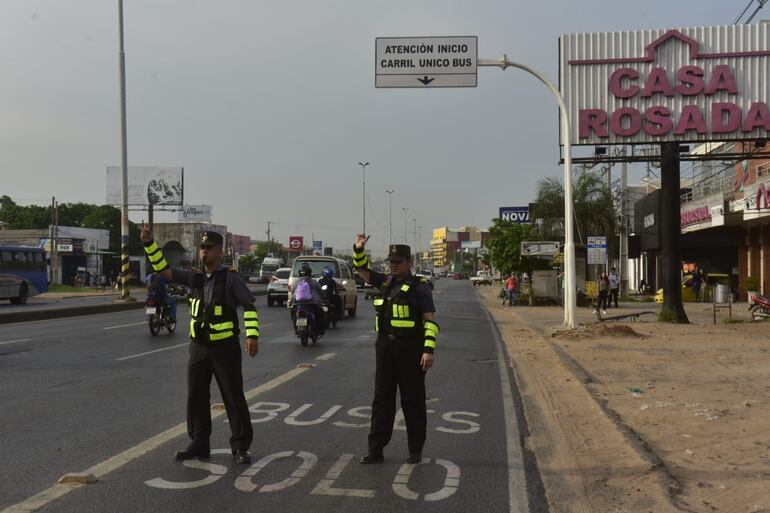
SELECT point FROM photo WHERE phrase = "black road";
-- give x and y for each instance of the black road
(100, 395)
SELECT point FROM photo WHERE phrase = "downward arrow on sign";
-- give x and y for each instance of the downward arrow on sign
(425, 80)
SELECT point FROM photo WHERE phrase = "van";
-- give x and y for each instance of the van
(268, 268)
(343, 275)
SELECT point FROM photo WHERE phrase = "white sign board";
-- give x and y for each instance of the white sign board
(64, 248)
(147, 185)
(539, 248)
(195, 213)
(597, 250)
(470, 244)
(650, 86)
(426, 61)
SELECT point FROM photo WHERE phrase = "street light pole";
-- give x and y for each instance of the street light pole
(363, 194)
(570, 292)
(389, 192)
(405, 211)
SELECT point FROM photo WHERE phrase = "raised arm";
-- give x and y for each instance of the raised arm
(154, 253)
(360, 258)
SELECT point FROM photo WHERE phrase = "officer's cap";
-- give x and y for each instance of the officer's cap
(399, 253)
(210, 239)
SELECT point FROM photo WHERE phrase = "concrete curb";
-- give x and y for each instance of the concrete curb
(76, 311)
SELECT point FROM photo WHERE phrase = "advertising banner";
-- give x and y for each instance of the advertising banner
(147, 185)
(679, 85)
(519, 215)
(195, 213)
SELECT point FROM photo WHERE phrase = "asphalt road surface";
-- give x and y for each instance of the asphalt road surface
(99, 395)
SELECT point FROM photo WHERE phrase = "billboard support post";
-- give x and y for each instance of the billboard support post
(570, 293)
(670, 229)
(124, 293)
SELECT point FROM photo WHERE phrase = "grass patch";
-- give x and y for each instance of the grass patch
(732, 321)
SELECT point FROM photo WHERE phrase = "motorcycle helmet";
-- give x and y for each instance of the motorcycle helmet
(328, 272)
(305, 271)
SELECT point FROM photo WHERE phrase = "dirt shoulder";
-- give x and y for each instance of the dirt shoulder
(642, 416)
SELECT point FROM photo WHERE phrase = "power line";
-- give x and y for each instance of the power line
(743, 12)
(761, 5)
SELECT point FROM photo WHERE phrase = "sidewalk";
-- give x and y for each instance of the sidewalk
(643, 416)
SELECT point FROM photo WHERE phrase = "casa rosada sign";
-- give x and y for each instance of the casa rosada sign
(697, 84)
(695, 216)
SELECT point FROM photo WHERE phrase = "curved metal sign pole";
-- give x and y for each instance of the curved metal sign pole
(570, 291)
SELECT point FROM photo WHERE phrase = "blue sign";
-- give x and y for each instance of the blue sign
(318, 245)
(519, 215)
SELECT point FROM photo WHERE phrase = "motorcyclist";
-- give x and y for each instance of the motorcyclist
(157, 290)
(316, 300)
(330, 293)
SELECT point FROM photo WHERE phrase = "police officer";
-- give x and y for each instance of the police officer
(214, 349)
(406, 338)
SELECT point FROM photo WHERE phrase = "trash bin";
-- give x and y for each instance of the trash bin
(722, 293)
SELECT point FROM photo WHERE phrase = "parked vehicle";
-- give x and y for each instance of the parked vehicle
(427, 276)
(482, 278)
(158, 317)
(278, 288)
(759, 306)
(343, 275)
(688, 293)
(269, 266)
(22, 273)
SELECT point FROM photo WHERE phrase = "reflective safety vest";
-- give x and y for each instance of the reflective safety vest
(214, 322)
(397, 313)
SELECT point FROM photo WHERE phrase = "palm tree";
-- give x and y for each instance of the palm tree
(592, 206)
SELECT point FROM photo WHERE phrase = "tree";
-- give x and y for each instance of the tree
(106, 217)
(505, 247)
(592, 206)
(249, 263)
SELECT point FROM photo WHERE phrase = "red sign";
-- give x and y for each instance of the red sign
(695, 216)
(296, 243)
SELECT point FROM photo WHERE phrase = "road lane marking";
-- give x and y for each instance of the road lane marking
(517, 486)
(150, 352)
(326, 486)
(15, 341)
(327, 356)
(100, 470)
(125, 325)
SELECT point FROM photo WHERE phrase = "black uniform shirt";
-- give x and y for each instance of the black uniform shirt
(236, 292)
(422, 293)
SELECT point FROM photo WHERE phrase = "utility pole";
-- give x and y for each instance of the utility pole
(389, 192)
(52, 252)
(363, 194)
(269, 240)
(623, 253)
(124, 260)
(414, 232)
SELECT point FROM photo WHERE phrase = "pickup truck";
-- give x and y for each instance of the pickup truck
(481, 278)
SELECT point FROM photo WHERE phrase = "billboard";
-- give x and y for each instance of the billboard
(470, 244)
(518, 215)
(195, 213)
(651, 86)
(147, 185)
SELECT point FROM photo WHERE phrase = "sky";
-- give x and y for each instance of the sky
(269, 105)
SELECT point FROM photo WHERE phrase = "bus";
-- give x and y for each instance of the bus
(22, 273)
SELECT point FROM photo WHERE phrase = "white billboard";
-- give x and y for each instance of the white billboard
(195, 213)
(154, 185)
(470, 244)
(651, 86)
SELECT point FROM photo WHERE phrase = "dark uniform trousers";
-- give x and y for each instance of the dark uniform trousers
(222, 359)
(398, 364)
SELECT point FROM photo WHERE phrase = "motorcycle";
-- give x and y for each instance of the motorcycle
(305, 323)
(158, 317)
(330, 307)
(759, 306)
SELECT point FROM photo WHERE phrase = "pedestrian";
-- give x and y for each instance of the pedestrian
(614, 287)
(704, 282)
(406, 339)
(215, 295)
(603, 285)
(511, 285)
(696, 283)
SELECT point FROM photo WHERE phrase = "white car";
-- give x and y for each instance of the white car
(426, 275)
(278, 287)
(343, 275)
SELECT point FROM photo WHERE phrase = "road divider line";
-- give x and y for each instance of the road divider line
(327, 356)
(125, 325)
(15, 341)
(151, 352)
(100, 470)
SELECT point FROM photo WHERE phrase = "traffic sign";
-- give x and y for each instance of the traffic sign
(426, 61)
(597, 250)
(296, 243)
